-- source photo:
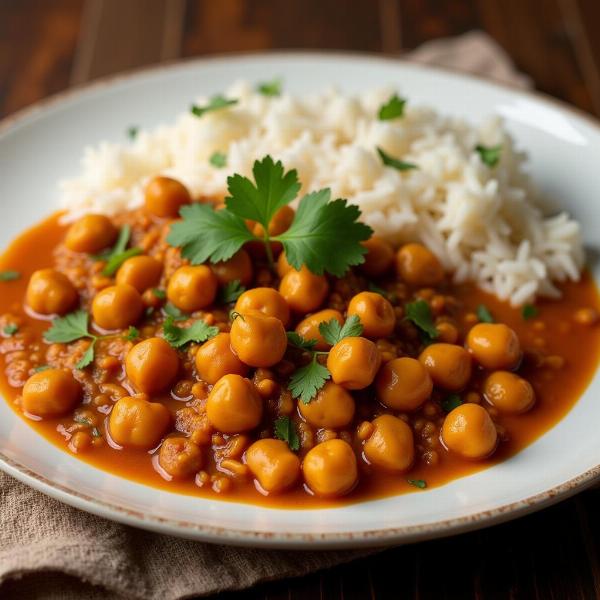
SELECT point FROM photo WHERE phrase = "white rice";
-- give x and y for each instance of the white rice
(483, 223)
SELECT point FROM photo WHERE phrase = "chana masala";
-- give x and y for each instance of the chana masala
(271, 377)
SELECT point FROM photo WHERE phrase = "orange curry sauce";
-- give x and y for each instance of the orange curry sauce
(553, 331)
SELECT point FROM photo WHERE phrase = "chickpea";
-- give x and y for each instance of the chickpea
(141, 272)
(418, 266)
(447, 332)
(375, 313)
(117, 307)
(403, 384)
(494, 346)
(353, 362)
(379, 257)
(215, 359)
(508, 392)
(448, 365)
(152, 365)
(50, 393)
(135, 422)
(49, 292)
(238, 267)
(330, 468)
(273, 464)
(283, 266)
(259, 341)
(180, 457)
(265, 300)
(91, 234)
(233, 405)
(469, 431)
(164, 196)
(192, 288)
(391, 446)
(303, 291)
(333, 407)
(308, 328)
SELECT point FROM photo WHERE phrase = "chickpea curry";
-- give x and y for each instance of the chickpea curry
(269, 365)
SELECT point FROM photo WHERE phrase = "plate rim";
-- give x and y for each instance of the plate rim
(240, 537)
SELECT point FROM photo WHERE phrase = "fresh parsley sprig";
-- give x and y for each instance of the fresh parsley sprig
(306, 381)
(285, 430)
(420, 314)
(484, 315)
(217, 102)
(119, 253)
(392, 109)
(490, 155)
(178, 337)
(333, 332)
(396, 163)
(218, 160)
(270, 88)
(231, 291)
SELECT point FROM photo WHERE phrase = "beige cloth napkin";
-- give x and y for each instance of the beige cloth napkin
(50, 550)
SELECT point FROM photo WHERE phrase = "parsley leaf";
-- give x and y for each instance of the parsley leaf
(260, 202)
(9, 275)
(529, 311)
(118, 254)
(10, 329)
(484, 315)
(420, 314)
(490, 155)
(120, 244)
(218, 160)
(420, 483)
(450, 402)
(392, 109)
(133, 333)
(69, 328)
(172, 311)
(208, 234)
(270, 88)
(396, 163)
(285, 430)
(296, 340)
(231, 291)
(158, 293)
(88, 356)
(216, 103)
(308, 380)
(112, 266)
(325, 236)
(132, 132)
(333, 332)
(178, 337)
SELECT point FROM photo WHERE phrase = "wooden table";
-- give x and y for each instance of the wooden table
(48, 45)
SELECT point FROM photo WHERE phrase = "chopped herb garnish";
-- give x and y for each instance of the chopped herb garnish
(88, 356)
(490, 155)
(120, 244)
(285, 430)
(333, 332)
(82, 420)
(529, 311)
(133, 333)
(115, 261)
(41, 368)
(132, 132)
(96, 432)
(178, 337)
(419, 483)
(296, 340)
(450, 402)
(270, 88)
(158, 293)
(231, 291)
(324, 235)
(216, 103)
(484, 315)
(218, 160)
(9, 275)
(420, 314)
(118, 254)
(172, 311)
(396, 163)
(308, 380)
(392, 109)
(10, 329)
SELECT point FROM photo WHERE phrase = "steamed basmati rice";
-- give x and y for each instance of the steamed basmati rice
(483, 223)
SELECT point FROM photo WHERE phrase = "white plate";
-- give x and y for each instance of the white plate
(44, 143)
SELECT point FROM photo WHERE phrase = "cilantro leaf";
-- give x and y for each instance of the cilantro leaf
(116, 260)
(216, 103)
(218, 160)
(529, 311)
(450, 402)
(285, 430)
(325, 236)
(490, 155)
(10, 329)
(308, 380)
(199, 331)
(69, 328)
(260, 202)
(207, 234)
(133, 333)
(231, 291)
(296, 340)
(420, 314)
(270, 88)
(172, 311)
(333, 332)
(484, 315)
(396, 163)
(88, 356)
(132, 132)
(158, 293)
(392, 109)
(9, 275)
(420, 483)
(120, 244)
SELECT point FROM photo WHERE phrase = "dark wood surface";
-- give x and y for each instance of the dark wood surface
(48, 45)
